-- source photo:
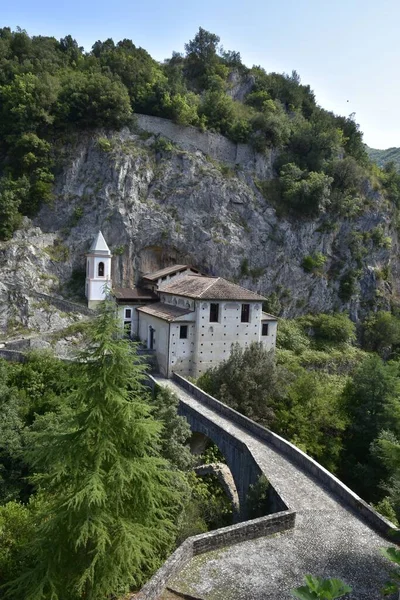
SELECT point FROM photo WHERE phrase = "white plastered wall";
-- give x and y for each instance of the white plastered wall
(161, 335)
(269, 341)
(181, 350)
(214, 340)
(95, 286)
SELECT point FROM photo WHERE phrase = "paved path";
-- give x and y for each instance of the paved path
(329, 539)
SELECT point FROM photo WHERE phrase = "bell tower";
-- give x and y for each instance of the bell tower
(98, 271)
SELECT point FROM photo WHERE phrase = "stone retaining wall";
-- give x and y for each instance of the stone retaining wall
(215, 145)
(299, 457)
(63, 305)
(12, 355)
(213, 540)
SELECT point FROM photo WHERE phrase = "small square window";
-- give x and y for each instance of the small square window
(264, 330)
(245, 318)
(183, 332)
(128, 313)
(214, 312)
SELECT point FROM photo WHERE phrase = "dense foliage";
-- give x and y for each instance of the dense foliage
(96, 480)
(49, 86)
(337, 401)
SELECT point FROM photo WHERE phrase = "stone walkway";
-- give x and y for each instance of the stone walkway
(329, 539)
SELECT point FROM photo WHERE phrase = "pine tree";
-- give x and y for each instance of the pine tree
(111, 500)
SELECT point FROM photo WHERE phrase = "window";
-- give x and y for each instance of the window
(214, 313)
(264, 330)
(128, 313)
(183, 332)
(245, 318)
(87, 268)
(100, 269)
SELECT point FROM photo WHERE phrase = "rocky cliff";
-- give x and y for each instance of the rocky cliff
(163, 194)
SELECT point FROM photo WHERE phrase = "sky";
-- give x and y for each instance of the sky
(348, 51)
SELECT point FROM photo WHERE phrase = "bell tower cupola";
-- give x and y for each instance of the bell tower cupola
(98, 271)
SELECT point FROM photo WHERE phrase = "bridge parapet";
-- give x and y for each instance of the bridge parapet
(297, 456)
(205, 542)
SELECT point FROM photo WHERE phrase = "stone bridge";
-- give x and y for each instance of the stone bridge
(320, 527)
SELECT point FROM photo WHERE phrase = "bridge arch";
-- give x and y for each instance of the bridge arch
(245, 470)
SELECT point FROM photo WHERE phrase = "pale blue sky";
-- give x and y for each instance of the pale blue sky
(348, 51)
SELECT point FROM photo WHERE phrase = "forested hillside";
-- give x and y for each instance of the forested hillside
(49, 86)
(382, 157)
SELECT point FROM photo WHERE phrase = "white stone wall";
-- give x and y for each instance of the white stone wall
(269, 341)
(181, 350)
(95, 285)
(214, 340)
(161, 335)
(134, 316)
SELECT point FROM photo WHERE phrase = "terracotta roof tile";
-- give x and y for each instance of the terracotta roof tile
(209, 288)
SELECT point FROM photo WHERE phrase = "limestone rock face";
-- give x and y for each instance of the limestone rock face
(159, 200)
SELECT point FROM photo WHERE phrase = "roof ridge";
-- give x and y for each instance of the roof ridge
(208, 287)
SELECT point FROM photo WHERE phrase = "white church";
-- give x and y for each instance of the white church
(187, 319)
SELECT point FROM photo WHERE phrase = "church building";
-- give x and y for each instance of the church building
(187, 319)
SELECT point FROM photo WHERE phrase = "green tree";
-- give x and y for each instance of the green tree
(382, 333)
(312, 417)
(305, 192)
(111, 501)
(249, 381)
(27, 103)
(93, 99)
(329, 329)
(370, 401)
(175, 432)
(17, 528)
(12, 426)
(201, 56)
(12, 194)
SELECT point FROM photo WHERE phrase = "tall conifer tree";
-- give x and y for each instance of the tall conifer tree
(110, 499)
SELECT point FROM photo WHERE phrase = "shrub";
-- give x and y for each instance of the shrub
(336, 328)
(305, 192)
(314, 263)
(347, 285)
(161, 144)
(379, 238)
(104, 144)
(382, 332)
(16, 530)
(291, 336)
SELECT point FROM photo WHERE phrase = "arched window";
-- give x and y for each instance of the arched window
(100, 270)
